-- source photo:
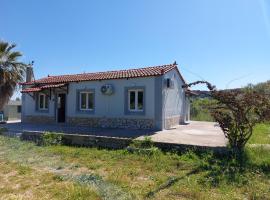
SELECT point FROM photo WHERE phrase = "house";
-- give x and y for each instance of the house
(144, 98)
(11, 111)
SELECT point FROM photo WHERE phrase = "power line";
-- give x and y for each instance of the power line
(236, 79)
(193, 73)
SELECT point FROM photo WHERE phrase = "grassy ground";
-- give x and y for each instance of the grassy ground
(261, 134)
(62, 172)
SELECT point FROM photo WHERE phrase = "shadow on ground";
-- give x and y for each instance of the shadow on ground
(214, 170)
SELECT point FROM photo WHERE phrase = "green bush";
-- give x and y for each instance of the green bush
(144, 144)
(143, 147)
(49, 139)
(237, 112)
(2, 130)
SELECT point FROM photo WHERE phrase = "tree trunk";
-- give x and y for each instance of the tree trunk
(6, 91)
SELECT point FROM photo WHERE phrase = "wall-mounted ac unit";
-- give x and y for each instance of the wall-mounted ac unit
(107, 89)
(169, 83)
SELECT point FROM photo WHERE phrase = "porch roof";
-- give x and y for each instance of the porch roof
(43, 87)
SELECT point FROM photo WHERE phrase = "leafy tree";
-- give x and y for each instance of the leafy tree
(237, 112)
(11, 71)
(261, 87)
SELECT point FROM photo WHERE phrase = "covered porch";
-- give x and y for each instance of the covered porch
(43, 94)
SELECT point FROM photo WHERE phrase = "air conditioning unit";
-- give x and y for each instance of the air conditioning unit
(169, 83)
(107, 89)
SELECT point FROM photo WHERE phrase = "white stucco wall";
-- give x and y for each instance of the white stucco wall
(29, 107)
(112, 106)
(174, 98)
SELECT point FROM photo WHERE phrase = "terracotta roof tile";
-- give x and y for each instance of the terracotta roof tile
(40, 88)
(130, 73)
(32, 89)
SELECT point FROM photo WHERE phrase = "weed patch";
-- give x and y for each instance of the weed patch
(106, 190)
(2, 130)
(144, 144)
(50, 138)
(143, 147)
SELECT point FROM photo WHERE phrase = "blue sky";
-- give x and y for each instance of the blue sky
(219, 41)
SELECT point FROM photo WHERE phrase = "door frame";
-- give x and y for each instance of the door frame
(56, 107)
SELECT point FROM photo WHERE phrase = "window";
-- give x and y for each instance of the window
(86, 100)
(43, 102)
(19, 109)
(135, 100)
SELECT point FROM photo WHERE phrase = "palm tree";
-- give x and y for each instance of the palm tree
(11, 71)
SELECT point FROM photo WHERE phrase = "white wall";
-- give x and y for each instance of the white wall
(174, 98)
(112, 106)
(29, 107)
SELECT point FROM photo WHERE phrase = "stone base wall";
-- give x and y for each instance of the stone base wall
(95, 122)
(112, 122)
(117, 143)
(38, 119)
(173, 121)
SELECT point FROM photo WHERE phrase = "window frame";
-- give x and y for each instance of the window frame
(87, 100)
(45, 100)
(136, 109)
(78, 100)
(127, 110)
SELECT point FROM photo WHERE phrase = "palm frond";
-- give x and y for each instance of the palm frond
(11, 71)
(10, 47)
(13, 56)
(3, 46)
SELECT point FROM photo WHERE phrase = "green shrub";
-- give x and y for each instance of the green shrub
(49, 139)
(2, 130)
(237, 112)
(144, 144)
(144, 147)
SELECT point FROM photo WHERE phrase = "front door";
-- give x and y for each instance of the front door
(61, 107)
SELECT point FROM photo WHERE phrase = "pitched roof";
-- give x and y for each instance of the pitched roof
(120, 74)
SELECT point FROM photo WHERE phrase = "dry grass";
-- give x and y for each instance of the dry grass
(22, 182)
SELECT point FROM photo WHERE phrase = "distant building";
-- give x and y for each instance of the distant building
(12, 111)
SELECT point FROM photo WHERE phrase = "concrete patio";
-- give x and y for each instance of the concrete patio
(195, 133)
